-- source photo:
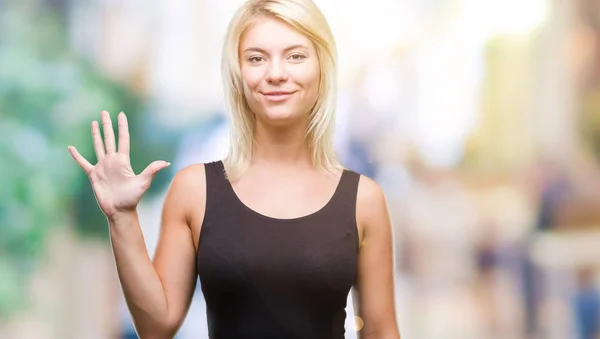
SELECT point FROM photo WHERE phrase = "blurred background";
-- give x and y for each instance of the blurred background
(479, 118)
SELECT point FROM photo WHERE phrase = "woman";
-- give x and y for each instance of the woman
(278, 232)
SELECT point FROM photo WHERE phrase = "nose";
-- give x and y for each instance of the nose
(276, 73)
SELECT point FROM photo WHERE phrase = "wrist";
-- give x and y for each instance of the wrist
(122, 217)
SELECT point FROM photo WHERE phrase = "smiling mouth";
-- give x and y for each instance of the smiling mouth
(277, 96)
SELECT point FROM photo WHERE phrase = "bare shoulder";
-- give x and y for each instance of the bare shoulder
(188, 188)
(370, 196)
(368, 189)
(371, 206)
(194, 175)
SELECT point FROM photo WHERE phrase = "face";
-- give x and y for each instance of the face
(280, 72)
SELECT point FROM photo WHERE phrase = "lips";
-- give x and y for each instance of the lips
(277, 95)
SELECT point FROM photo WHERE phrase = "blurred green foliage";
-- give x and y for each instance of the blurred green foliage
(48, 97)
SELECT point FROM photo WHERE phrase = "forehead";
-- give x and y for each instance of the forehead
(272, 34)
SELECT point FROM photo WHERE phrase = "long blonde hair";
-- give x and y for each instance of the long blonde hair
(306, 17)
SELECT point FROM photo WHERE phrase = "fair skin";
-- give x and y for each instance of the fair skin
(281, 75)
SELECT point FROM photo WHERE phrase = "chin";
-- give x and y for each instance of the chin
(280, 117)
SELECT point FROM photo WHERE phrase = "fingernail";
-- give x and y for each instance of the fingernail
(168, 164)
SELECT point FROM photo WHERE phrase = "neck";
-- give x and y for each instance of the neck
(282, 146)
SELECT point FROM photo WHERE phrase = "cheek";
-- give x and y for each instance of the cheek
(311, 78)
(251, 79)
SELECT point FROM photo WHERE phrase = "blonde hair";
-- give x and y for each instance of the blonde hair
(304, 16)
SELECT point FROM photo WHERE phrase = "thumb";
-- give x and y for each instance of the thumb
(153, 168)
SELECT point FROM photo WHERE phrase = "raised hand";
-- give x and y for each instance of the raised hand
(116, 187)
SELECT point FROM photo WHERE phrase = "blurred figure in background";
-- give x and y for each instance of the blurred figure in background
(586, 304)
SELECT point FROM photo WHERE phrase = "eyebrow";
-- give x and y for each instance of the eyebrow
(260, 50)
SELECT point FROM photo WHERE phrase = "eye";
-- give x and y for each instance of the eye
(297, 57)
(255, 59)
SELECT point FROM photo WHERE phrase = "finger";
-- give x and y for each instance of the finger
(123, 134)
(153, 168)
(98, 143)
(109, 134)
(84, 164)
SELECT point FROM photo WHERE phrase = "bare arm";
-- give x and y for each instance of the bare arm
(159, 293)
(374, 298)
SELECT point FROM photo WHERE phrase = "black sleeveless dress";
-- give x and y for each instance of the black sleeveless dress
(266, 278)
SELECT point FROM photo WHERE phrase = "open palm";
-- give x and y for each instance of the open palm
(116, 187)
